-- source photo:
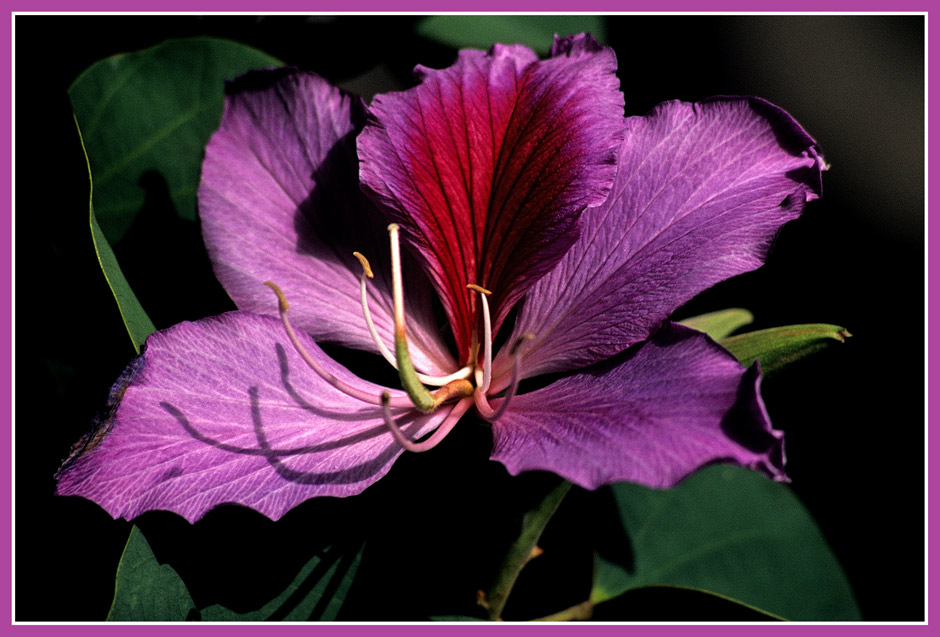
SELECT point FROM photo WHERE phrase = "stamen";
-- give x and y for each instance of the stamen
(364, 262)
(417, 447)
(483, 405)
(343, 386)
(419, 395)
(487, 338)
(363, 297)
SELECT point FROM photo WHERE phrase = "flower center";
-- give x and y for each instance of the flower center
(459, 388)
(453, 387)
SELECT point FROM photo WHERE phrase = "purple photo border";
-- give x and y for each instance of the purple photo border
(479, 6)
(429, 6)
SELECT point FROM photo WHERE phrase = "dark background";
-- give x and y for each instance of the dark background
(853, 415)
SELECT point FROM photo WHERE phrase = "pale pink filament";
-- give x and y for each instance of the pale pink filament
(417, 447)
(479, 397)
(341, 385)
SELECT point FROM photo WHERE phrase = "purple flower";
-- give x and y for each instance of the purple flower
(516, 184)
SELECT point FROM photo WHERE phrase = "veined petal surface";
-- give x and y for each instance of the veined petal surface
(701, 191)
(224, 410)
(652, 415)
(280, 200)
(487, 166)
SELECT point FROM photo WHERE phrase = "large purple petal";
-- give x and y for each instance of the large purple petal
(700, 193)
(280, 201)
(488, 164)
(652, 415)
(224, 410)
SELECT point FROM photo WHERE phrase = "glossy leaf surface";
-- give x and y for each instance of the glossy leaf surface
(149, 591)
(139, 326)
(153, 112)
(732, 533)
(146, 590)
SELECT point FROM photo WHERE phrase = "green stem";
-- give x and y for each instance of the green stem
(533, 523)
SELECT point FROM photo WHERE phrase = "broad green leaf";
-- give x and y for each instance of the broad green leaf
(138, 324)
(733, 533)
(154, 110)
(482, 31)
(721, 323)
(146, 590)
(778, 347)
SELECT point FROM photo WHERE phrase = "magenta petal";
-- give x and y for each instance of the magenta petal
(224, 410)
(488, 164)
(653, 415)
(280, 201)
(700, 193)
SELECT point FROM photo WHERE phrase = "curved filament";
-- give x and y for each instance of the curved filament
(341, 385)
(418, 447)
(483, 405)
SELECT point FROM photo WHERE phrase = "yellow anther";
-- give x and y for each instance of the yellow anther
(477, 288)
(282, 301)
(364, 262)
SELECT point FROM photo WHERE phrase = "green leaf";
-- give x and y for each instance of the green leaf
(721, 323)
(146, 590)
(482, 31)
(154, 110)
(729, 532)
(778, 347)
(138, 324)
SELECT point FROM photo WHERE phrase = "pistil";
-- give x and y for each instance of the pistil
(363, 297)
(418, 393)
(487, 338)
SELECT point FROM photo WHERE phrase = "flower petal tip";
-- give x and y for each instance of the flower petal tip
(748, 424)
(794, 139)
(223, 411)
